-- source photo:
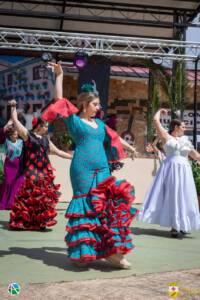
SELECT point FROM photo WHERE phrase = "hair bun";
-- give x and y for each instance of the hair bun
(89, 88)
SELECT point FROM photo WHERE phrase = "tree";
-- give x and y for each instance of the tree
(173, 85)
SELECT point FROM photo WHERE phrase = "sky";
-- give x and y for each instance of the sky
(193, 34)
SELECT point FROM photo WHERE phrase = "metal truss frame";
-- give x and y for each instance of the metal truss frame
(196, 21)
(109, 46)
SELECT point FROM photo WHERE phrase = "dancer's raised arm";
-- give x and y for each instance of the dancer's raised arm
(58, 89)
(194, 155)
(3, 131)
(60, 107)
(22, 131)
(163, 134)
(129, 148)
(58, 152)
(8, 125)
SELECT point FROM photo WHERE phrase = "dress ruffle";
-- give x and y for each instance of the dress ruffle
(62, 107)
(98, 222)
(34, 207)
(113, 146)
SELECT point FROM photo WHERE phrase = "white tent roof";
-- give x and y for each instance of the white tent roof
(144, 18)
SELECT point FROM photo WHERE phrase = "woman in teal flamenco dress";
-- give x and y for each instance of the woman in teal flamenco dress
(101, 208)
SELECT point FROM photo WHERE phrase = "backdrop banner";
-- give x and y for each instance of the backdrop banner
(97, 69)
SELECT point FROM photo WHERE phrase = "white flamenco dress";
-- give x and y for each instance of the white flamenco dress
(172, 199)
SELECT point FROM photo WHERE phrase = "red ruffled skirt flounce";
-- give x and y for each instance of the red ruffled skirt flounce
(34, 207)
(101, 228)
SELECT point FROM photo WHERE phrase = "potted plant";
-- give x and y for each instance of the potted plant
(66, 139)
(63, 141)
(196, 175)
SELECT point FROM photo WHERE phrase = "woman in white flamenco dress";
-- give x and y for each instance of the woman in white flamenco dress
(172, 199)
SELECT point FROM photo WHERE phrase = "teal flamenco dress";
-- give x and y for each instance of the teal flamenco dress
(101, 208)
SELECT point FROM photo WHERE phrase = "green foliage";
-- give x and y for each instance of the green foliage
(179, 86)
(196, 175)
(173, 86)
(67, 140)
(63, 141)
(153, 106)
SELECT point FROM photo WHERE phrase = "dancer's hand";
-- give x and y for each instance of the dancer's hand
(56, 68)
(9, 125)
(163, 111)
(149, 148)
(69, 154)
(12, 103)
(132, 152)
(157, 116)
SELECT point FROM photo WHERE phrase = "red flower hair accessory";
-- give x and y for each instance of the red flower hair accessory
(34, 121)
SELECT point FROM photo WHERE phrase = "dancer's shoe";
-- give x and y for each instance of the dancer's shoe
(184, 232)
(176, 234)
(118, 261)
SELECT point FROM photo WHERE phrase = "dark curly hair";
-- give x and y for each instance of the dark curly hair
(40, 122)
(11, 131)
(173, 124)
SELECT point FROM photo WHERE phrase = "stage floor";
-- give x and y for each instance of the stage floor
(40, 257)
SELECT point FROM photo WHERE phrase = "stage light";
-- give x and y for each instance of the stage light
(157, 60)
(47, 57)
(80, 59)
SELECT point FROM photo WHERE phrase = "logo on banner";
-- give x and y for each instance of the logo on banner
(188, 118)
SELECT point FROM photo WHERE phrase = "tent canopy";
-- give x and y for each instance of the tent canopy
(144, 18)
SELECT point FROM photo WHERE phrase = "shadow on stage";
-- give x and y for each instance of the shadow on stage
(156, 232)
(51, 256)
(5, 226)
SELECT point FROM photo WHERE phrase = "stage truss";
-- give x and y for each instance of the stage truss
(109, 46)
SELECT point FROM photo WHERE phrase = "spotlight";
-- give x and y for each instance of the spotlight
(47, 57)
(80, 59)
(157, 60)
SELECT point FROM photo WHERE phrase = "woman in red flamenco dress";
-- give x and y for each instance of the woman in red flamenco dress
(35, 202)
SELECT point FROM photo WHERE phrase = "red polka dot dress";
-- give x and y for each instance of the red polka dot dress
(34, 207)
